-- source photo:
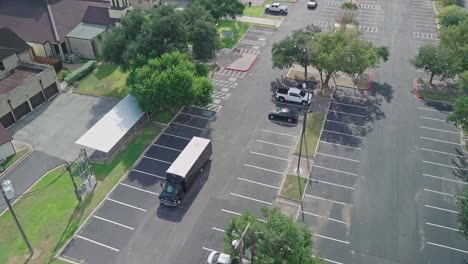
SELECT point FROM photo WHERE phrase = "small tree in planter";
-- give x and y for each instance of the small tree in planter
(346, 19)
(349, 6)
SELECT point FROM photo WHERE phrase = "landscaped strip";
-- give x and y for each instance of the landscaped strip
(293, 187)
(163, 117)
(236, 27)
(13, 158)
(106, 80)
(428, 95)
(51, 214)
(311, 135)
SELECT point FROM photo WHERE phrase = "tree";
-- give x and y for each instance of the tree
(455, 40)
(220, 8)
(278, 240)
(463, 82)
(463, 214)
(460, 115)
(168, 83)
(427, 60)
(452, 16)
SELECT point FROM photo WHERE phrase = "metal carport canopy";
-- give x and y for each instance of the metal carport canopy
(113, 126)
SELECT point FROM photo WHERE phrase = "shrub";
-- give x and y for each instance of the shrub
(450, 2)
(201, 70)
(347, 18)
(81, 72)
(349, 6)
(452, 16)
(63, 73)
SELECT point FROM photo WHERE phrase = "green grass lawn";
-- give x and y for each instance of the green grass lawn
(312, 134)
(256, 11)
(163, 117)
(105, 80)
(52, 215)
(238, 28)
(13, 158)
(437, 96)
(293, 187)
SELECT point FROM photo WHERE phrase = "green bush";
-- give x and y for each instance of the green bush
(450, 2)
(201, 70)
(63, 73)
(81, 72)
(452, 16)
(349, 6)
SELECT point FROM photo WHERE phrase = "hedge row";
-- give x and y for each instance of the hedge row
(81, 72)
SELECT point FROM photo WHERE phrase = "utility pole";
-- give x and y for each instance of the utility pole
(239, 245)
(304, 86)
(6, 187)
(68, 166)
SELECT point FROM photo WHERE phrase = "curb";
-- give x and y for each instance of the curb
(416, 90)
(95, 95)
(248, 68)
(17, 161)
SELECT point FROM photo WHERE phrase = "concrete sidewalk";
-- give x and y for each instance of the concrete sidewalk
(271, 22)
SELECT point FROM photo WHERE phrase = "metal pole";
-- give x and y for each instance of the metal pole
(73, 181)
(31, 251)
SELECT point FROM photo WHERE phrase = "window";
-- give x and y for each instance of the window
(294, 95)
(56, 48)
(2, 67)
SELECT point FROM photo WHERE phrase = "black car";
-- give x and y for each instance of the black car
(284, 114)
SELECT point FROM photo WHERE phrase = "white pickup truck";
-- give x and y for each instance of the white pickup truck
(294, 95)
(276, 7)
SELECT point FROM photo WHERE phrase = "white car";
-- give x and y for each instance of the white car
(312, 4)
(218, 258)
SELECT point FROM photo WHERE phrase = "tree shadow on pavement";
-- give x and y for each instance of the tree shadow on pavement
(460, 162)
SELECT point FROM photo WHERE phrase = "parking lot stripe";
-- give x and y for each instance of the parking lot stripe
(252, 199)
(259, 183)
(336, 144)
(440, 130)
(334, 102)
(442, 193)
(284, 123)
(339, 133)
(128, 205)
(332, 121)
(438, 140)
(354, 97)
(112, 222)
(187, 125)
(182, 113)
(284, 134)
(447, 247)
(334, 184)
(235, 213)
(97, 243)
(260, 168)
(441, 226)
(435, 119)
(331, 261)
(337, 157)
(177, 136)
(139, 189)
(443, 165)
(324, 217)
(266, 142)
(442, 209)
(335, 170)
(295, 105)
(441, 152)
(218, 229)
(167, 147)
(326, 199)
(157, 160)
(434, 110)
(445, 179)
(266, 155)
(150, 174)
(330, 238)
(339, 112)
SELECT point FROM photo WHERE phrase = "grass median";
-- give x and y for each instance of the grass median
(163, 117)
(293, 187)
(106, 80)
(13, 158)
(311, 135)
(51, 214)
(236, 27)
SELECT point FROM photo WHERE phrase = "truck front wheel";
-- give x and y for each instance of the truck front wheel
(304, 102)
(282, 12)
(281, 99)
(267, 10)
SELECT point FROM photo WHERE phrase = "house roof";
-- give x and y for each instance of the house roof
(97, 15)
(5, 136)
(10, 43)
(86, 31)
(31, 20)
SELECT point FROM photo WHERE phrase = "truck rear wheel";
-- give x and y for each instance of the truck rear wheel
(281, 99)
(281, 11)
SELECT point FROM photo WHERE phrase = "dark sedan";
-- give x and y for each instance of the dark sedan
(283, 114)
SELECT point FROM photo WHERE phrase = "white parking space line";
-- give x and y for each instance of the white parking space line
(441, 193)
(283, 134)
(443, 165)
(444, 179)
(150, 174)
(218, 229)
(238, 214)
(269, 156)
(441, 209)
(112, 222)
(339, 133)
(139, 189)
(344, 113)
(128, 205)
(187, 126)
(258, 183)
(335, 170)
(271, 143)
(447, 247)
(97, 243)
(438, 140)
(441, 226)
(337, 157)
(440, 130)
(326, 199)
(325, 217)
(334, 184)
(331, 261)
(163, 161)
(171, 135)
(434, 119)
(260, 168)
(249, 198)
(434, 110)
(348, 124)
(339, 145)
(168, 148)
(284, 123)
(202, 117)
(331, 238)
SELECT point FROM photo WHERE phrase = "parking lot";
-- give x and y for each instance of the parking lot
(113, 229)
(443, 175)
(423, 24)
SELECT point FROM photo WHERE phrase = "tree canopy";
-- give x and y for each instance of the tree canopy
(168, 83)
(220, 8)
(452, 16)
(278, 240)
(459, 115)
(435, 61)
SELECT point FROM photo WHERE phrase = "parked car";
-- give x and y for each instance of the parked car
(294, 95)
(312, 4)
(284, 114)
(276, 7)
(218, 258)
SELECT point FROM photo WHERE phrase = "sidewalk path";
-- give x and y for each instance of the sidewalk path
(262, 21)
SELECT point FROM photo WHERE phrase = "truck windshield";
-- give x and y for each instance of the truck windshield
(302, 93)
(169, 188)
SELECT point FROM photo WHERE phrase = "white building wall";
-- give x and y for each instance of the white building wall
(41, 50)
(10, 62)
(83, 47)
(26, 56)
(6, 150)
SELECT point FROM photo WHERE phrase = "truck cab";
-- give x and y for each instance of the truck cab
(294, 95)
